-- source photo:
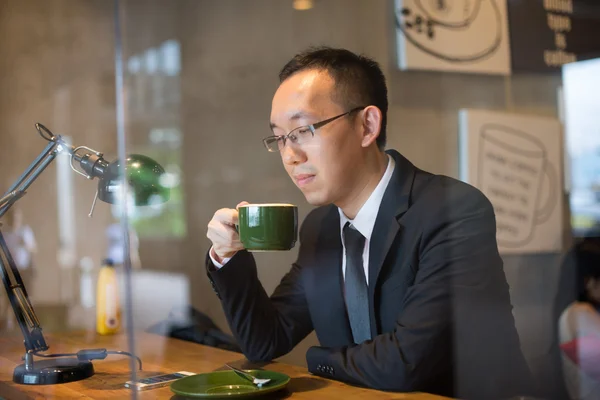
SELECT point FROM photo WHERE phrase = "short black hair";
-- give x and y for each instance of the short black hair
(359, 80)
(587, 264)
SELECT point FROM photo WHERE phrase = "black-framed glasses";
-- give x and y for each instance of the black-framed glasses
(302, 134)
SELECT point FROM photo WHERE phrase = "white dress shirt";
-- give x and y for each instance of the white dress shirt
(364, 222)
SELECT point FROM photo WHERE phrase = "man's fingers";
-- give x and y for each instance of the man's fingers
(232, 247)
(223, 233)
(220, 231)
(243, 203)
(227, 216)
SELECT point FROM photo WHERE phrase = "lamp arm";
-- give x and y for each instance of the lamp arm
(9, 198)
(11, 278)
(32, 172)
(93, 165)
(17, 294)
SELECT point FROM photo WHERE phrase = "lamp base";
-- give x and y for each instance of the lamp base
(53, 371)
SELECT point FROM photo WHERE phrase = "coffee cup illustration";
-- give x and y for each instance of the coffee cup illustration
(456, 31)
(515, 174)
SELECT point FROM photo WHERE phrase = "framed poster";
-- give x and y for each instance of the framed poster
(453, 35)
(516, 161)
(546, 34)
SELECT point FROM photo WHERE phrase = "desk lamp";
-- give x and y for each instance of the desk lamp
(142, 176)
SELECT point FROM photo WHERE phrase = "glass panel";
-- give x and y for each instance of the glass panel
(466, 293)
(201, 79)
(58, 70)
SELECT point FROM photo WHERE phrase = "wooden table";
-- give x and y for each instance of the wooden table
(162, 355)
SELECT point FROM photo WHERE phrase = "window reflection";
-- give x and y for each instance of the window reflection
(581, 82)
(154, 129)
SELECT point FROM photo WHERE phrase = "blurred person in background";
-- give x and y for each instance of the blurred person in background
(115, 251)
(115, 236)
(21, 243)
(579, 323)
(398, 270)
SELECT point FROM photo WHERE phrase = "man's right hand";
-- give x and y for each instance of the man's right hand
(223, 234)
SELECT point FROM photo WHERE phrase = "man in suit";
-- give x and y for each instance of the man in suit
(398, 270)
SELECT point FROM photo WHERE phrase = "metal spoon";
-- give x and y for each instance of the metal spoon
(257, 381)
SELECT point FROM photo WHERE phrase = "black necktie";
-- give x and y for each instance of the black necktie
(357, 300)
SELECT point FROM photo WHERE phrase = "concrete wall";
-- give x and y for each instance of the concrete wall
(57, 68)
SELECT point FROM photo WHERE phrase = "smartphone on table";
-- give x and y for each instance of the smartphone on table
(157, 381)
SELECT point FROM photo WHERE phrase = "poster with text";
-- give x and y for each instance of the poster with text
(516, 161)
(545, 35)
(453, 35)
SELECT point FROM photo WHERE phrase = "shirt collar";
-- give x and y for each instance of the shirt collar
(364, 222)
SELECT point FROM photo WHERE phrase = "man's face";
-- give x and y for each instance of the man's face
(323, 167)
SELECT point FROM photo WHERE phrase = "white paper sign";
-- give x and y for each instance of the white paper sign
(515, 161)
(453, 35)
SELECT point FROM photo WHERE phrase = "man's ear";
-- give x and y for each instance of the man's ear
(371, 125)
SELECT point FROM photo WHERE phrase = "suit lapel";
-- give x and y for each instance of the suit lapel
(394, 203)
(331, 268)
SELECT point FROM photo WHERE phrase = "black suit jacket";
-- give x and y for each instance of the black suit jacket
(441, 317)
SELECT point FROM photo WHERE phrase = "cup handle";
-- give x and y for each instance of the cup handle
(545, 212)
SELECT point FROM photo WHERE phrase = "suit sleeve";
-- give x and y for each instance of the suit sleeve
(264, 327)
(458, 259)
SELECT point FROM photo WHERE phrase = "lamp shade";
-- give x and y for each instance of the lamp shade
(143, 177)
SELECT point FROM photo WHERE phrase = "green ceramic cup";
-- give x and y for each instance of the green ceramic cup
(268, 227)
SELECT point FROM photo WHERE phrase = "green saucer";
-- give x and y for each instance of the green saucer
(227, 384)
